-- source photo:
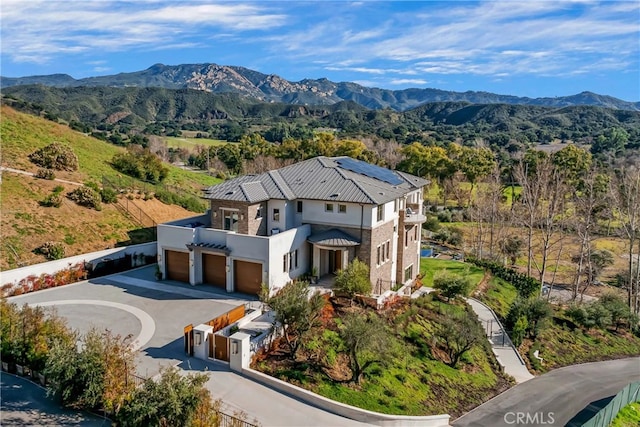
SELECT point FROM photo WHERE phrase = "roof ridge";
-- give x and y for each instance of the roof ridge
(341, 172)
(280, 182)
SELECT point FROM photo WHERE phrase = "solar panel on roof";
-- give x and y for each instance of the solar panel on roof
(369, 170)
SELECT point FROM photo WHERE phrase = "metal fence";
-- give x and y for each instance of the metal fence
(226, 420)
(604, 417)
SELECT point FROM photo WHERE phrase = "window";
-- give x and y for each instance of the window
(380, 212)
(276, 214)
(299, 207)
(415, 233)
(290, 261)
(230, 220)
(408, 273)
(328, 207)
(259, 212)
(383, 251)
(342, 208)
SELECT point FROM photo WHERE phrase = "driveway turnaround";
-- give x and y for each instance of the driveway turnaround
(25, 404)
(554, 398)
(156, 312)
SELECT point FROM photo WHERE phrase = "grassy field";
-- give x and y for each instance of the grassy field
(629, 416)
(430, 266)
(191, 142)
(416, 381)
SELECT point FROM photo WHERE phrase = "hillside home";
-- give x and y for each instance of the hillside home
(312, 216)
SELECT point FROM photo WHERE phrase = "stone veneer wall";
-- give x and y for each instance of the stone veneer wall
(248, 222)
(368, 251)
(407, 255)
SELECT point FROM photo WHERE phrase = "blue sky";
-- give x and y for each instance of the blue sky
(525, 48)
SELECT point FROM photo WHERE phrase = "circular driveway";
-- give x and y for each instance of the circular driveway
(77, 318)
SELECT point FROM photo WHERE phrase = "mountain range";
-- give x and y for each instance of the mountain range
(272, 88)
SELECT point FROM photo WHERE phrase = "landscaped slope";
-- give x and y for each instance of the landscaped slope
(416, 377)
(25, 224)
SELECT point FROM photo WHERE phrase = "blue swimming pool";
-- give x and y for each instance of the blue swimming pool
(426, 252)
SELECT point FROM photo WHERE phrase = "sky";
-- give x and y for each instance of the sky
(535, 48)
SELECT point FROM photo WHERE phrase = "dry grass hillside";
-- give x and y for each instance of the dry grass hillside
(25, 224)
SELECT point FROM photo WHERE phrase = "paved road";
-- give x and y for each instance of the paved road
(553, 399)
(25, 404)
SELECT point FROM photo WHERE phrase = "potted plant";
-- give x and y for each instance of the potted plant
(158, 273)
(314, 275)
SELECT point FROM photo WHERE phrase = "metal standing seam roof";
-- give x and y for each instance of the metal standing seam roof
(320, 178)
(333, 237)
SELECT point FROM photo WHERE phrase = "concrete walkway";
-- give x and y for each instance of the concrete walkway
(501, 344)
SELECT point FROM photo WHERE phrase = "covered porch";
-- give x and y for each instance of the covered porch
(332, 251)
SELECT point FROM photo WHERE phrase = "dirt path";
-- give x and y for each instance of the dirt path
(5, 169)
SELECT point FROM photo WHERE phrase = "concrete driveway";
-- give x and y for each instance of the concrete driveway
(557, 397)
(154, 313)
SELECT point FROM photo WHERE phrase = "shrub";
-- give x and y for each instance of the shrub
(141, 164)
(354, 279)
(188, 202)
(525, 285)
(108, 195)
(452, 285)
(86, 196)
(52, 200)
(44, 173)
(55, 156)
(51, 250)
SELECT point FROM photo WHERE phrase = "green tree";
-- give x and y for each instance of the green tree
(170, 401)
(519, 330)
(457, 335)
(475, 163)
(366, 340)
(451, 285)
(98, 376)
(296, 311)
(354, 279)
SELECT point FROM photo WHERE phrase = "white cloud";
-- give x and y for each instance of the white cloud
(44, 29)
(408, 82)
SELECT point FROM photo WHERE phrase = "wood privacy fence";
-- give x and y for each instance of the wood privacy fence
(604, 417)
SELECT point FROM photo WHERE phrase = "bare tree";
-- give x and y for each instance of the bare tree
(588, 205)
(625, 197)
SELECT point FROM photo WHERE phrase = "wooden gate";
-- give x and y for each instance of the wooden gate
(188, 340)
(211, 353)
(222, 347)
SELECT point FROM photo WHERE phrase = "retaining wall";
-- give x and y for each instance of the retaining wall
(348, 411)
(14, 276)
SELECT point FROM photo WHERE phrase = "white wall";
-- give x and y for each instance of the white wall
(284, 243)
(50, 267)
(281, 223)
(314, 212)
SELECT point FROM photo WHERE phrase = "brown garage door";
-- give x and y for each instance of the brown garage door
(177, 265)
(215, 272)
(247, 277)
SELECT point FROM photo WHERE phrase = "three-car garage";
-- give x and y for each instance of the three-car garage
(247, 276)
